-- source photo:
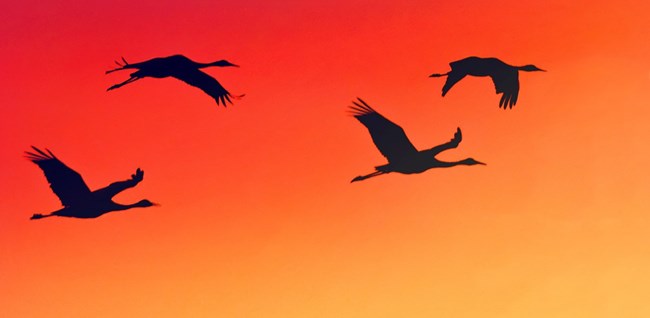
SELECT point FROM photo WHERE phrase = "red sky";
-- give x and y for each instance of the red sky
(258, 218)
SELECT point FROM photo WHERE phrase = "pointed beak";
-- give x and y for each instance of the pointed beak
(155, 204)
(481, 163)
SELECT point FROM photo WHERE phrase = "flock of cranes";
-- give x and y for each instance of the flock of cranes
(389, 138)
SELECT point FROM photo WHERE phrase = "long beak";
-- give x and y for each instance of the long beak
(155, 204)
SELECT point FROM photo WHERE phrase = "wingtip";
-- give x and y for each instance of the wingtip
(363, 102)
(39, 155)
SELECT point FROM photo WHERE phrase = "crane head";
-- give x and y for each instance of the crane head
(531, 68)
(471, 162)
(146, 203)
(223, 63)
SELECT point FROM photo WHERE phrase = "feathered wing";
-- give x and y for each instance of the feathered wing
(453, 143)
(507, 83)
(389, 138)
(457, 73)
(207, 84)
(66, 183)
(452, 79)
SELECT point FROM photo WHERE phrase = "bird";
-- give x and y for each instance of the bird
(75, 196)
(393, 143)
(182, 68)
(504, 76)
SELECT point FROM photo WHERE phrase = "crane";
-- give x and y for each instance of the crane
(504, 76)
(75, 196)
(179, 67)
(393, 143)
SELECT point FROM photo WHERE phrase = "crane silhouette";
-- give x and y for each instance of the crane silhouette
(182, 68)
(75, 196)
(393, 143)
(504, 76)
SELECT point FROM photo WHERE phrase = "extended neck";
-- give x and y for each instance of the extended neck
(464, 162)
(530, 68)
(122, 207)
(220, 63)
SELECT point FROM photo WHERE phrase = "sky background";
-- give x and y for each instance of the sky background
(258, 218)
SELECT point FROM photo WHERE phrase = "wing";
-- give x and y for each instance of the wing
(389, 138)
(453, 143)
(507, 83)
(453, 78)
(206, 83)
(66, 183)
(459, 69)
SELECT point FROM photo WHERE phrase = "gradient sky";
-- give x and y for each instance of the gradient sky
(258, 218)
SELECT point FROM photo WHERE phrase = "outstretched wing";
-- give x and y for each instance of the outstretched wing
(453, 143)
(507, 82)
(459, 69)
(66, 183)
(452, 78)
(206, 83)
(389, 138)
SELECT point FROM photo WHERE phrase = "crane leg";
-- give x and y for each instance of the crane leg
(374, 174)
(37, 216)
(113, 70)
(121, 66)
(130, 80)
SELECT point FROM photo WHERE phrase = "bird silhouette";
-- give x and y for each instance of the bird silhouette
(182, 68)
(75, 196)
(393, 143)
(504, 76)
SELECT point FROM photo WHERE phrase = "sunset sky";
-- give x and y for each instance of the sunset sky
(258, 217)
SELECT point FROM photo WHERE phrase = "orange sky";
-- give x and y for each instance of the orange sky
(258, 218)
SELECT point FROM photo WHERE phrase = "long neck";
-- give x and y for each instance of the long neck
(446, 164)
(528, 68)
(220, 63)
(122, 207)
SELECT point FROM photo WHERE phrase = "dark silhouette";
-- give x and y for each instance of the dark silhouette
(76, 197)
(182, 68)
(504, 76)
(392, 142)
